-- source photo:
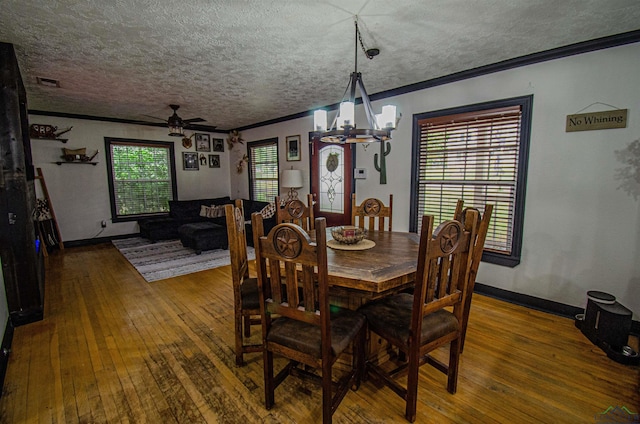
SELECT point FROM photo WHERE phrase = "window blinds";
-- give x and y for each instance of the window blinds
(141, 179)
(474, 157)
(263, 168)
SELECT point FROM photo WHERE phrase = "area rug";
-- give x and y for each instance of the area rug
(168, 258)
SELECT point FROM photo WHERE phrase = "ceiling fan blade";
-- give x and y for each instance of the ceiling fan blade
(154, 117)
(191, 120)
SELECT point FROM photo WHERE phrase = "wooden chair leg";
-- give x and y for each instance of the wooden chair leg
(327, 398)
(238, 334)
(412, 387)
(269, 383)
(359, 352)
(454, 358)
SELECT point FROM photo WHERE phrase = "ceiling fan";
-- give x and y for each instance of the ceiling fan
(177, 125)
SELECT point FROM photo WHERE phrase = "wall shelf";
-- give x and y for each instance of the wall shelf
(76, 163)
(61, 140)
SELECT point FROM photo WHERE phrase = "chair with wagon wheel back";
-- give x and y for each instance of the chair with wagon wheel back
(245, 289)
(373, 211)
(296, 212)
(307, 331)
(432, 316)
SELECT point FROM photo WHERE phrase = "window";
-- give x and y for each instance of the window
(263, 170)
(477, 153)
(142, 177)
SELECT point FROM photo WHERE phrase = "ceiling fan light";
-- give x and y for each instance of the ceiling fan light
(176, 129)
(176, 126)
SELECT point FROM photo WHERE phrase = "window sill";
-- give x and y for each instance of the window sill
(500, 259)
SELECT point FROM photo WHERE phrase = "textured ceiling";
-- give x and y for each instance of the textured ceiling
(240, 62)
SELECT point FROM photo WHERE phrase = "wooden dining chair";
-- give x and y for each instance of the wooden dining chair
(307, 330)
(246, 304)
(476, 255)
(372, 214)
(296, 212)
(432, 316)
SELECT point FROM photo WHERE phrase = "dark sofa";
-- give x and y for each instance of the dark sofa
(182, 212)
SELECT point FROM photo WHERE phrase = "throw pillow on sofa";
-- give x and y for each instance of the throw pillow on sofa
(204, 211)
(268, 211)
(212, 211)
(216, 211)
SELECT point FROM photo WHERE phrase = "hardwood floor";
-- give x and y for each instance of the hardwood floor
(113, 348)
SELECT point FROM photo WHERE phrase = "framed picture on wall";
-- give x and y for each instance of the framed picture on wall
(203, 142)
(214, 161)
(218, 145)
(190, 161)
(293, 148)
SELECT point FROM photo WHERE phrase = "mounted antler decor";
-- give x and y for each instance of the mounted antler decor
(186, 141)
(241, 163)
(234, 138)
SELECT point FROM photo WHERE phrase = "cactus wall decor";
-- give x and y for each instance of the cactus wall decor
(381, 166)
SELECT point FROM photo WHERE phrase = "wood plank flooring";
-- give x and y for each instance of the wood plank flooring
(116, 349)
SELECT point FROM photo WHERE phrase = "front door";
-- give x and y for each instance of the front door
(332, 181)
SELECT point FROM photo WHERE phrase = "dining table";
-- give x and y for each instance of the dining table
(358, 275)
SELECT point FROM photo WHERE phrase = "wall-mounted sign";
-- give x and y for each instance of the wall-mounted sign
(597, 120)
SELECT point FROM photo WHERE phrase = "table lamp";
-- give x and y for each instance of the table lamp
(291, 179)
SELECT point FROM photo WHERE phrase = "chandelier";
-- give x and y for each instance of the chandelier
(343, 129)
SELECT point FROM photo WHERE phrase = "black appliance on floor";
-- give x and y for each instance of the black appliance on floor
(607, 324)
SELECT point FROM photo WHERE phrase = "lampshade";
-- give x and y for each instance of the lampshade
(291, 178)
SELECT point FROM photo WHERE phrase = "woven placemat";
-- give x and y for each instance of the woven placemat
(361, 245)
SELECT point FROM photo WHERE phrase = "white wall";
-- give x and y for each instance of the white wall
(240, 182)
(80, 193)
(580, 231)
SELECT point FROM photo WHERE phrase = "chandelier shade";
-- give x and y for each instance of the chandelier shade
(343, 128)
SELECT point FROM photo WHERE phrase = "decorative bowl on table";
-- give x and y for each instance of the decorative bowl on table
(348, 234)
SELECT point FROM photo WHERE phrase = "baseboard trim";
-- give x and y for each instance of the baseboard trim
(5, 351)
(98, 240)
(538, 304)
